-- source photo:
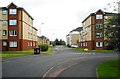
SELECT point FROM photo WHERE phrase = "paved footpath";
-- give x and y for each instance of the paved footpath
(64, 62)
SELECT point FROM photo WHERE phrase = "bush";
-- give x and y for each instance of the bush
(68, 45)
(43, 47)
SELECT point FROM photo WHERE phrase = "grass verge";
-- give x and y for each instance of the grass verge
(8, 54)
(109, 69)
(96, 51)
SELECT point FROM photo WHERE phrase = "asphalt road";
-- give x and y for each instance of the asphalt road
(64, 62)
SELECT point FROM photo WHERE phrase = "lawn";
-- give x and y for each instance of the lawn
(7, 54)
(109, 69)
(96, 51)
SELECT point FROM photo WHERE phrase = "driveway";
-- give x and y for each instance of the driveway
(64, 62)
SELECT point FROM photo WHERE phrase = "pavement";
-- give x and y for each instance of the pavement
(64, 62)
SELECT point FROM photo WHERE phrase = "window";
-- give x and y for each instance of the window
(106, 43)
(13, 22)
(99, 44)
(4, 23)
(99, 35)
(13, 43)
(30, 28)
(99, 26)
(106, 35)
(4, 43)
(29, 36)
(12, 11)
(13, 33)
(4, 32)
(106, 26)
(106, 17)
(99, 16)
(81, 44)
(4, 12)
(29, 43)
(86, 43)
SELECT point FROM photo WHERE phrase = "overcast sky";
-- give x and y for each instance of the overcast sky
(59, 16)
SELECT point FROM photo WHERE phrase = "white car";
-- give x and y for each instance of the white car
(74, 46)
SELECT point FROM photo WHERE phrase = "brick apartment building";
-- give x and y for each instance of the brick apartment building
(16, 27)
(93, 35)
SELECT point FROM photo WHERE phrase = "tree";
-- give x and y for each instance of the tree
(114, 32)
(61, 42)
(57, 42)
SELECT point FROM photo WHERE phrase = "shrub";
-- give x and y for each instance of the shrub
(68, 45)
(43, 47)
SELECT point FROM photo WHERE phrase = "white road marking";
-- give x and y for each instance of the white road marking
(83, 53)
(47, 72)
(97, 72)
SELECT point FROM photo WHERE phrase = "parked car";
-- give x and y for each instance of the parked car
(74, 46)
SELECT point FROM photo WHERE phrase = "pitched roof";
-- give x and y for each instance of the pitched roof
(21, 8)
(92, 14)
(77, 29)
(43, 37)
(68, 35)
(12, 4)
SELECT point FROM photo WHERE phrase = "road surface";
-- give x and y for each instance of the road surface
(64, 62)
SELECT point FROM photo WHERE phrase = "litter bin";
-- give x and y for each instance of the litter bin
(36, 50)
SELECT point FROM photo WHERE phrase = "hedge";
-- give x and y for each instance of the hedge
(43, 47)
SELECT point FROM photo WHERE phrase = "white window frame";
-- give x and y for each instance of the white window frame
(13, 11)
(4, 23)
(13, 33)
(4, 32)
(13, 43)
(86, 43)
(106, 17)
(4, 12)
(106, 26)
(99, 35)
(99, 44)
(29, 36)
(99, 16)
(29, 43)
(99, 26)
(81, 44)
(4, 43)
(106, 43)
(12, 22)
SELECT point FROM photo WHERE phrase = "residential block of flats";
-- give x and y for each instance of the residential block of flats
(72, 38)
(41, 40)
(16, 27)
(93, 35)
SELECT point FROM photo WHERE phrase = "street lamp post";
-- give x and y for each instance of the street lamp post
(40, 33)
(52, 37)
(40, 28)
